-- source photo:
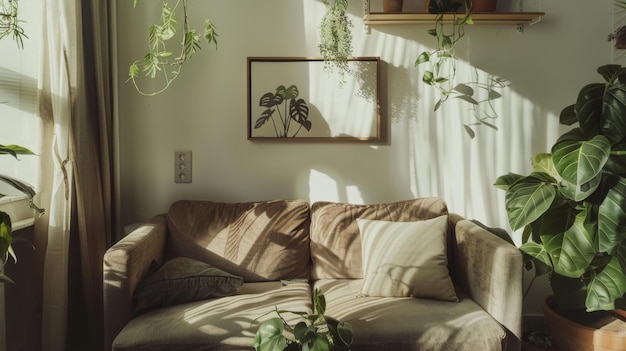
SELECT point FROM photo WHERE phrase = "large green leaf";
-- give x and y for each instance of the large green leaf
(538, 253)
(579, 161)
(612, 215)
(577, 249)
(543, 163)
(606, 287)
(556, 220)
(527, 199)
(614, 113)
(270, 336)
(589, 108)
(504, 182)
(617, 161)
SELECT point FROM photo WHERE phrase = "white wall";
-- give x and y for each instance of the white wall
(427, 154)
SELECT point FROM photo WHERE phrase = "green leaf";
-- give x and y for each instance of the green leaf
(527, 199)
(588, 108)
(269, 336)
(5, 236)
(612, 216)
(319, 302)
(580, 161)
(606, 287)
(542, 163)
(428, 78)
(504, 182)
(210, 33)
(577, 249)
(568, 116)
(538, 253)
(14, 150)
(422, 58)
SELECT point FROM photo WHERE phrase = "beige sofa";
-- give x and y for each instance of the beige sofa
(284, 249)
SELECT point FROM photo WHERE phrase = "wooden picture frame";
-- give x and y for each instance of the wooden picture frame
(297, 99)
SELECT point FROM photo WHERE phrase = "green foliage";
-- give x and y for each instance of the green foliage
(573, 205)
(316, 332)
(336, 37)
(10, 23)
(441, 62)
(6, 232)
(158, 62)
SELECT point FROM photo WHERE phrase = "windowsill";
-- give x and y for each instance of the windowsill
(21, 215)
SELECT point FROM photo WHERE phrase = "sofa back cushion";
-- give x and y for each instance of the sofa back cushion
(259, 241)
(335, 238)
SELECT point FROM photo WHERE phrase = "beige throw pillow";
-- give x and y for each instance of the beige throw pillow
(406, 259)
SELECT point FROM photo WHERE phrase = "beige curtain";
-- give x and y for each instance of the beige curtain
(77, 183)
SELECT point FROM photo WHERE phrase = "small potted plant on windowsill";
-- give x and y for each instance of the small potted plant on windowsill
(316, 332)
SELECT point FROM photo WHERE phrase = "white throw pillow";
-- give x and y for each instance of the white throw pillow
(406, 259)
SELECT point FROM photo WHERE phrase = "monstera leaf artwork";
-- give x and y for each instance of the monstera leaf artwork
(286, 114)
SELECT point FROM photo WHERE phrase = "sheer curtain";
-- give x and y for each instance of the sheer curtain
(74, 88)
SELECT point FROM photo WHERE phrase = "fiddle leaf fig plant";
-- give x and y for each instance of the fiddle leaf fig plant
(159, 61)
(6, 231)
(316, 332)
(572, 206)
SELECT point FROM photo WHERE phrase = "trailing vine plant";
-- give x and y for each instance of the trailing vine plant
(10, 23)
(443, 59)
(336, 37)
(448, 30)
(158, 61)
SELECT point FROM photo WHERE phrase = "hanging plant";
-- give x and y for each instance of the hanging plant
(158, 62)
(9, 22)
(448, 30)
(336, 37)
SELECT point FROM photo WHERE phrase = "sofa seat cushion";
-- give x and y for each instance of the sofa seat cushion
(259, 241)
(226, 323)
(407, 323)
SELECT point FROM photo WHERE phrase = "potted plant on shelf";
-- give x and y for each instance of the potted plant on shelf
(316, 332)
(440, 73)
(573, 208)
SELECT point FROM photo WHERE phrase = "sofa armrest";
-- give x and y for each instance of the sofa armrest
(125, 264)
(489, 269)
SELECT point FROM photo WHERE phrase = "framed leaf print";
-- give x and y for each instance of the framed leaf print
(298, 99)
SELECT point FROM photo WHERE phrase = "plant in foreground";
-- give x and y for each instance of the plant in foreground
(316, 332)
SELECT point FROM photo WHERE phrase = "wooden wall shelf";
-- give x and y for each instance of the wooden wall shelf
(387, 18)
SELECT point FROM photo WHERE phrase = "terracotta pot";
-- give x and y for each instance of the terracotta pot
(392, 5)
(484, 5)
(571, 336)
(461, 7)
